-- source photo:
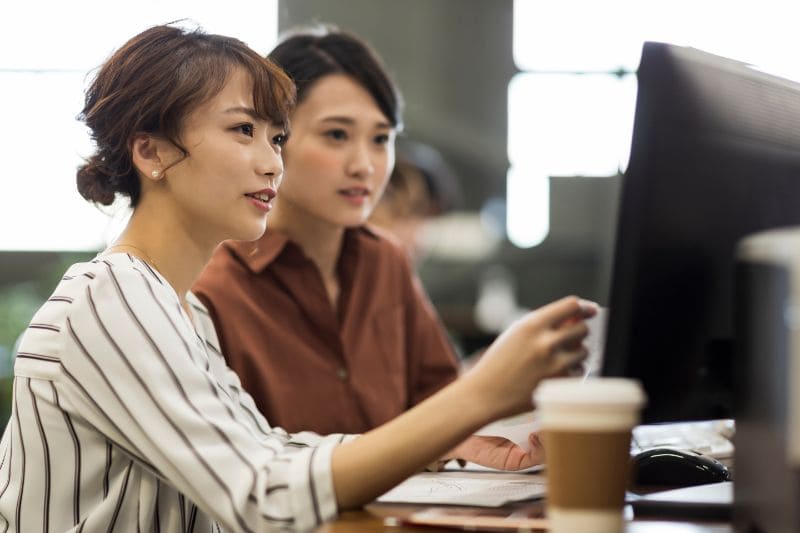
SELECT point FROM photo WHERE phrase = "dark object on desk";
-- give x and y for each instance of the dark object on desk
(706, 502)
(668, 467)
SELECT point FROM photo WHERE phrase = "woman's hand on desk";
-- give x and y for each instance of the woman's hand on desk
(498, 453)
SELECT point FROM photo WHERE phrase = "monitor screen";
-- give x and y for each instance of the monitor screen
(715, 156)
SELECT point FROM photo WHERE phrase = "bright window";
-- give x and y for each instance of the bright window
(47, 50)
(570, 109)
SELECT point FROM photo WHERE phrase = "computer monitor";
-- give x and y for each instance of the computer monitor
(715, 156)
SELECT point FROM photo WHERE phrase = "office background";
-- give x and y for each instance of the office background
(454, 61)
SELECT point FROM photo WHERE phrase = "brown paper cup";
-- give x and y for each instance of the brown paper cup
(586, 429)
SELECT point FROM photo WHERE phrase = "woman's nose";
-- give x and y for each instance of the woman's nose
(269, 159)
(361, 164)
(270, 164)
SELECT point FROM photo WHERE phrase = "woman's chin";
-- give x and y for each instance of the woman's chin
(251, 233)
(355, 220)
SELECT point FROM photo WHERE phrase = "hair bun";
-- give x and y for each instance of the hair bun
(94, 184)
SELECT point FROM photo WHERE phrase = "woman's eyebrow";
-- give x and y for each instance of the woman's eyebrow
(350, 121)
(249, 111)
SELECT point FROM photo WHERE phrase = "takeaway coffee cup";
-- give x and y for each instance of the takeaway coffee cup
(586, 429)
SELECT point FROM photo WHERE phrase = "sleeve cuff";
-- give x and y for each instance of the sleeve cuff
(311, 484)
(309, 438)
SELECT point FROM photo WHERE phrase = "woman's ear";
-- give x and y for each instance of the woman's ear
(148, 156)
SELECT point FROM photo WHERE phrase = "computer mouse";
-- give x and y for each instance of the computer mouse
(666, 466)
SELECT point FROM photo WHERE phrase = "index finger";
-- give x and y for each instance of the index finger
(570, 307)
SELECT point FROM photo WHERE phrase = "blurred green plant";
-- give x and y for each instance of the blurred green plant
(18, 303)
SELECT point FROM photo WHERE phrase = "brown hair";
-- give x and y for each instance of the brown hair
(151, 84)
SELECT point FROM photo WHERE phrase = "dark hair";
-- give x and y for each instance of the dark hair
(422, 182)
(309, 54)
(151, 84)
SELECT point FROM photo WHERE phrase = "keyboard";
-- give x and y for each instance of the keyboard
(710, 437)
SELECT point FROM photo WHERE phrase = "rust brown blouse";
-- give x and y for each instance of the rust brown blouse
(309, 367)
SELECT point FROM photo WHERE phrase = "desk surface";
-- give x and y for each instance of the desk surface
(371, 520)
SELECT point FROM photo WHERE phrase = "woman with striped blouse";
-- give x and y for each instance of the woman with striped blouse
(125, 416)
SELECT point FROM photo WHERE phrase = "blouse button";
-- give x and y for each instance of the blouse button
(342, 373)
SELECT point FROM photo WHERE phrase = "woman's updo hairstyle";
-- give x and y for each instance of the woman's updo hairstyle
(150, 85)
(308, 54)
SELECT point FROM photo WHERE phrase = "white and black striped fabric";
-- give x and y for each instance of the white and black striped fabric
(126, 418)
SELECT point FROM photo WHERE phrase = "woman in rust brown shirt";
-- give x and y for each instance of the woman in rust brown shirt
(321, 298)
(315, 364)
(323, 317)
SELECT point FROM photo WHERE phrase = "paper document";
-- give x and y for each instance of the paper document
(481, 489)
(516, 429)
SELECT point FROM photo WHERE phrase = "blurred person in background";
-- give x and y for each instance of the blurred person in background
(422, 186)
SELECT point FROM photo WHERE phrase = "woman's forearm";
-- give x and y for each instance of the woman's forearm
(544, 343)
(367, 467)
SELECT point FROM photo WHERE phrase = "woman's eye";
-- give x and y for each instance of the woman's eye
(245, 129)
(280, 139)
(337, 135)
(381, 139)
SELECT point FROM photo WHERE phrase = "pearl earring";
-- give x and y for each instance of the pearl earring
(155, 173)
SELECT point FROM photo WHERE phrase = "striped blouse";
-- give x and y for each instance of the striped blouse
(126, 418)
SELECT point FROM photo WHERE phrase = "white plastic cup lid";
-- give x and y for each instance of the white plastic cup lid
(594, 404)
(594, 391)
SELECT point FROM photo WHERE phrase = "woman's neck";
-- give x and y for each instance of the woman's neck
(320, 241)
(166, 245)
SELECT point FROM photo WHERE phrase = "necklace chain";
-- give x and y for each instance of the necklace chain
(146, 257)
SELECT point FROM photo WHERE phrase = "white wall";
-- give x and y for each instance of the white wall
(47, 50)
